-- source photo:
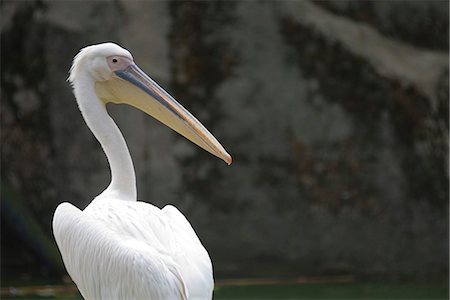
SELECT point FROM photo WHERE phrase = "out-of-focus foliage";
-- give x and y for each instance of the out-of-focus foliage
(338, 168)
(423, 23)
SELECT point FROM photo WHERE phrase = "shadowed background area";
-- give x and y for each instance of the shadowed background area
(335, 113)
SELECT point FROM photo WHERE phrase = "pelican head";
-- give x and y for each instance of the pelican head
(118, 79)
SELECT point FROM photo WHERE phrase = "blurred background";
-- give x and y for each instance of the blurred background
(336, 114)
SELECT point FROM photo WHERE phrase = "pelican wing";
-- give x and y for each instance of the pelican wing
(190, 252)
(108, 264)
(166, 231)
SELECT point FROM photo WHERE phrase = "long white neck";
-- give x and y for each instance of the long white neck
(123, 178)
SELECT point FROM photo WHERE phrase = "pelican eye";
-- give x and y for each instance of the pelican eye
(114, 60)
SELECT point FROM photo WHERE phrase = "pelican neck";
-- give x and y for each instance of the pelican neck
(105, 130)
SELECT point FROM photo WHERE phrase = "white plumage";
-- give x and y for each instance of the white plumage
(120, 248)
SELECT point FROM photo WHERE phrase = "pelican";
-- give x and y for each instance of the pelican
(118, 247)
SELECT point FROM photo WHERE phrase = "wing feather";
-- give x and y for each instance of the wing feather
(108, 265)
(190, 252)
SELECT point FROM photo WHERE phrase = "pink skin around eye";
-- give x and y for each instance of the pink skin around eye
(118, 62)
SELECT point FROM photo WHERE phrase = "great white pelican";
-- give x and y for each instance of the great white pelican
(118, 247)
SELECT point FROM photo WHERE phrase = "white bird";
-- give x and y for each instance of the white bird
(118, 247)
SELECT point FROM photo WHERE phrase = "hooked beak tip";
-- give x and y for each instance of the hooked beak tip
(229, 160)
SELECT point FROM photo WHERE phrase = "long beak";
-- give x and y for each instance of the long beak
(132, 86)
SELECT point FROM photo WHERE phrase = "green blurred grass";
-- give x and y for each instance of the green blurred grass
(334, 291)
(305, 291)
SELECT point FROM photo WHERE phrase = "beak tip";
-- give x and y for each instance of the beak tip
(228, 159)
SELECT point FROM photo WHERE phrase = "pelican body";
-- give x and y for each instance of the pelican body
(118, 247)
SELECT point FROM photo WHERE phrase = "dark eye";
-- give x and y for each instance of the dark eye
(114, 60)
